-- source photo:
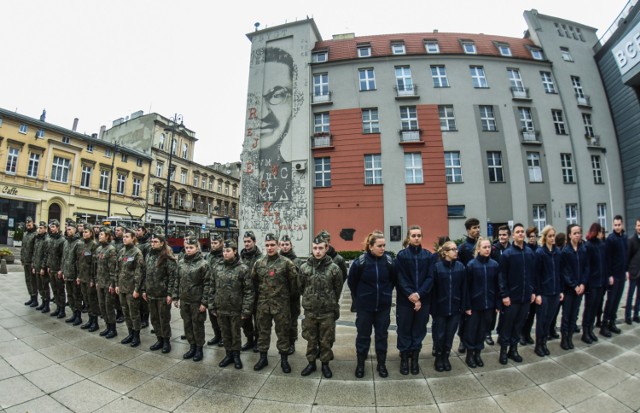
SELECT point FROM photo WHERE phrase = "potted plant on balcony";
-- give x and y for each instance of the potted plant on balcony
(7, 255)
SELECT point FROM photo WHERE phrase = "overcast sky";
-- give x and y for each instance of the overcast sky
(102, 60)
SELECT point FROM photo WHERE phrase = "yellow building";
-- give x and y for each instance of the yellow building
(50, 172)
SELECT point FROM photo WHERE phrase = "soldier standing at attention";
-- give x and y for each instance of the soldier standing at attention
(86, 277)
(70, 271)
(192, 281)
(337, 258)
(40, 266)
(230, 301)
(128, 282)
(215, 257)
(117, 242)
(249, 255)
(275, 276)
(26, 256)
(106, 261)
(161, 267)
(320, 284)
(286, 250)
(143, 236)
(54, 263)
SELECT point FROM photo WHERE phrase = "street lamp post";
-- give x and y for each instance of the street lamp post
(113, 160)
(177, 118)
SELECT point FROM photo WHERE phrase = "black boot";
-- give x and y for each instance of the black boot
(41, 306)
(284, 363)
(461, 348)
(198, 355)
(157, 345)
(112, 331)
(311, 367)
(30, 301)
(539, 350)
(478, 359)
(514, 355)
(613, 328)
(228, 359)
(415, 358)
(166, 345)
(78, 319)
(360, 366)
(292, 348)
(570, 341)
(404, 363)
(94, 325)
(381, 366)
(129, 338)
(34, 303)
(263, 362)
(215, 340)
(503, 355)
(326, 371)
(586, 337)
(564, 343)
(553, 334)
(189, 354)
(136, 338)
(445, 360)
(470, 359)
(604, 329)
(62, 314)
(438, 363)
(593, 335)
(72, 319)
(144, 320)
(237, 363)
(249, 344)
(545, 348)
(45, 307)
(86, 325)
(106, 330)
(55, 313)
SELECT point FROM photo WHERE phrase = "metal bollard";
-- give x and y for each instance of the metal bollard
(3, 266)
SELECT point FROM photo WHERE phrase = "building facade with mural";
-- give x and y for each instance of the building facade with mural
(387, 131)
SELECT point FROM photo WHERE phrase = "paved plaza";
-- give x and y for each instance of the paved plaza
(49, 366)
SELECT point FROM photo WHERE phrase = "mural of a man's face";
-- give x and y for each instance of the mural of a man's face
(276, 108)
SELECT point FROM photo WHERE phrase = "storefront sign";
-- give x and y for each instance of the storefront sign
(627, 51)
(10, 190)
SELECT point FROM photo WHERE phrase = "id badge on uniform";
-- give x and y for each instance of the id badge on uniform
(87, 253)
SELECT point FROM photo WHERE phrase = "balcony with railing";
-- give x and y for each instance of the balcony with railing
(321, 140)
(593, 141)
(530, 136)
(583, 100)
(520, 93)
(407, 92)
(322, 99)
(411, 136)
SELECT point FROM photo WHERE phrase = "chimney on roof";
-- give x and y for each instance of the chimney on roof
(435, 30)
(103, 128)
(75, 124)
(44, 115)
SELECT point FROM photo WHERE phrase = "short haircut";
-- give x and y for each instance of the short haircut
(618, 217)
(471, 222)
(520, 225)
(530, 230)
(504, 228)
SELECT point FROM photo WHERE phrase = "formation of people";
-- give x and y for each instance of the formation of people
(130, 275)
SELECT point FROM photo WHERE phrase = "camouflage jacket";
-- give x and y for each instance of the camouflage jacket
(275, 277)
(295, 292)
(54, 252)
(215, 258)
(117, 242)
(249, 258)
(70, 257)
(86, 251)
(320, 283)
(192, 279)
(28, 246)
(129, 270)
(144, 245)
(40, 252)
(106, 261)
(231, 289)
(159, 279)
(339, 261)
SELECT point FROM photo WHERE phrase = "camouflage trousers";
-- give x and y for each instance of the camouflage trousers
(43, 286)
(31, 280)
(282, 321)
(90, 297)
(319, 330)
(131, 308)
(193, 321)
(215, 324)
(230, 329)
(57, 286)
(105, 302)
(144, 309)
(74, 295)
(160, 313)
(294, 308)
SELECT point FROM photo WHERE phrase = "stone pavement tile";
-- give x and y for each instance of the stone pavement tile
(41, 341)
(570, 390)
(29, 361)
(481, 405)
(119, 353)
(504, 381)
(289, 389)
(629, 362)
(41, 404)
(163, 394)
(240, 383)
(604, 376)
(341, 369)
(12, 322)
(91, 343)
(626, 340)
(458, 368)
(178, 348)
(5, 335)
(208, 401)
(126, 404)
(62, 352)
(604, 350)
(449, 389)
(70, 334)
(249, 359)
(408, 409)
(191, 374)
(401, 392)
(577, 361)
(52, 324)
(121, 379)
(152, 363)
(13, 348)
(93, 397)
(627, 393)
(53, 378)
(270, 406)
(88, 365)
(531, 400)
(345, 393)
(598, 404)
(342, 409)
(491, 363)
(17, 390)
(25, 331)
(544, 371)
(6, 370)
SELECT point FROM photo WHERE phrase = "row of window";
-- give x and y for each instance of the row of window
(201, 204)
(453, 168)
(162, 141)
(198, 181)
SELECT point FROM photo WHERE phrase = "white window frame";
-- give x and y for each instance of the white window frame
(320, 57)
(364, 51)
(413, 168)
(571, 213)
(601, 213)
(196, 180)
(488, 118)
(320, 85)
(540, 216)
(453, 167)
(495, 167)
(373, 169)
(159, 168)
(367, 79)
(12, 160)
(66, 140)
(558, 122)
(321, 122)
(85, 177)
(547, 82)
(60, 169)
(370, 121)
(185, 150)
(478, 77)
(322, 172)
(526, 119)
(23, 129)
(536, 53)
(588, 125)
(203, 182)
(404, 81)
(566, 54)
(40, 134)
(469, 47)
(161, 141)
(121, 184)
(505, 50)
(183, 176)
(447, 118)
(566, 164)
(408, 118)
(596, 167)
(534, 166)
(577, 86)
(515, 80)
(398, 48)
(439, 76)
(432, 46)
(138, 162)
(90, 147)
(34, 165)
(105, 175)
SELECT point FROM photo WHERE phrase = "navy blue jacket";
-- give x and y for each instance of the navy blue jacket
(548, 271)
(482, 283)
(517, 268)
(574, 267)
(616, 246)
(412, 268)
(449, 294)
(372, 283)
(497, 249)
(597, 264)
(466, 250)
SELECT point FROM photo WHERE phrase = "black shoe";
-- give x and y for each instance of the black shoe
(528, 339)
(157, 345)
(166, 345)
(604, 329)
(41, 306)
(112, 332)
(136, 338)
(613, 328)
(598, 323)
(576, 330)
(514, 355)
(119, 318)
(593, 336)
(445, 361)
(404, 363)
(262, 362)
(62, 314)
(291, 349)
(228, 359)
(636, 319)
(78, 319)
(438, 363)
(564, 342)
(34, 303)
(183, 337)
(72, 319)
(570, 341)
(586, 338)
(503, 355)
(248, 345)
(30, 301)
(189, 354)
(144, 323)
(489, 341)
(55, 313)
(129, 338)
(311, 367)
(478, 359)
(198, 355)
(381, 366)
(237, 363)
(545, 348)
(215, 340)
(105, 331)
(415, 358)
(627, 320)
(461, 348)
(553, 334)
(221, 343)
(361, 357)
(539, 350)
(284, 363)
(45, 308)
(470, 359)
(326, 371)
(94, 326)
(86, 325)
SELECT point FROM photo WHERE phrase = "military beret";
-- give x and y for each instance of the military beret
(230, 244)
(270, 237)
(42, 224)
(88, 227)
(285, 238)
(54, 222)
(72, 224)
(216, 237)
(319, 240)
(106, 230)
(141, 226)
(29, 219)
(190, 233)
(324, 234)
(250, 234)
(191, 241)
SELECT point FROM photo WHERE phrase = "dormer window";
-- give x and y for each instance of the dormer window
(431, 46)
(364, 50)
(469, 47)
(504, 49)
(536, 53)
(320, 57)
(398, 48)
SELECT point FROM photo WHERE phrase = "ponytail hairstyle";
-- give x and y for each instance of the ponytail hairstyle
(594, 230)
(442, 251)
(407, 240)
(476, 250)
(371, 239)
(543, 235)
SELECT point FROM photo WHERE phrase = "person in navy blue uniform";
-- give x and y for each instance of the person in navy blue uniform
(465, 254)
(596, 283)
(412, 299)
(448, 300)
(525, 335)
(548, 287)
(516, 281)
(633, 270)
(574, 267)
(616, 247)
(371, 279)
(482, 290)
(500, 246)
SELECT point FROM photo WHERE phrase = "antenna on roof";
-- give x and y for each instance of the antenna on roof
(256, 25)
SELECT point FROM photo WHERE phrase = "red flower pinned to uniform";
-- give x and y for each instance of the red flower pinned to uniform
(272, 273)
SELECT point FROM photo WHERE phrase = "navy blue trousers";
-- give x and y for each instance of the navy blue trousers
(411, 327)
(570, 309)
(515, 316)
(545, 313)
(592, 301)
(366, 321)
(634, 288)
(614, 295)
(476, 327)
(443, 330)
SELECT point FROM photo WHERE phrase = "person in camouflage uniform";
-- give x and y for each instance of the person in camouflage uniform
(86, 252)
(161, 267)
(26, 257)
(275, 276)
(286, 250)
(191, 283)
(231, 300)
(215, 257)
(337, 258)
(320, 284)
(106, 261)
(54, 249)
(143, 236)
(128, 281)
(249, 255)
(117, 242)
(70, 272)
(40, 266)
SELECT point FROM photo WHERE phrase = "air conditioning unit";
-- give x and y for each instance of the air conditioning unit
(300, 166)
